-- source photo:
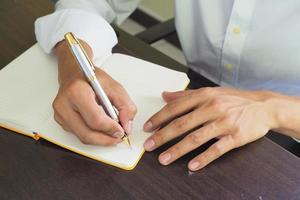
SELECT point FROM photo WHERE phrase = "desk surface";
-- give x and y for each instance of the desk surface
(39, 170)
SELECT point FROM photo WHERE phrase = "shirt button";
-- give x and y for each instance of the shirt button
(236, 30)
(229, 67)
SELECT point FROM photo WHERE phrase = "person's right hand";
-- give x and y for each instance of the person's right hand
(76, 108)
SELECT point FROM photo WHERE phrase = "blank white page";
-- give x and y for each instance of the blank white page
(27, 87)
(143, 81)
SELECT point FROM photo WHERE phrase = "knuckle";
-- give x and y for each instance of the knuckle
(231, 140)
(237, 129)
(176, 151)
(65, 128)
(85, 139)
(56, 118)
(193, 116)
(211, 128)
(158, 138)
(218, 105)
(194, 138)
(96, 122)
(207, 91)
(216, 102)
(204, 133)
(230, 123)
(227, 117)
(179, 124)
(171, 106)
(218, 149)
(132, 109)
(227, 121)
(56, 105)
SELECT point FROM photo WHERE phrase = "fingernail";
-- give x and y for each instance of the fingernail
(165, 158)
(148, 126)
(149, 145)
(118, 134)
(129, 126)
(118, 141)
(194, 165)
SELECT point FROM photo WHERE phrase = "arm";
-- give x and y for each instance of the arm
(75, 106)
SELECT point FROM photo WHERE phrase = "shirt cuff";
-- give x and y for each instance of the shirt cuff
(91, 28)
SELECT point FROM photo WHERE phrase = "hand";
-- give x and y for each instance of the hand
(233, 117)
(76, 108)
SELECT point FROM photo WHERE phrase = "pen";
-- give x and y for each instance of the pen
(88, 70)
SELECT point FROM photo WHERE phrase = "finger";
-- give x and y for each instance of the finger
(170, 111)
(60, 121)
(126, 108)
(219, 148)
(179, 126)
(193, 98)
(179, 106)
(170, 96)
(95, 117)
(84, 133)
(191, 142)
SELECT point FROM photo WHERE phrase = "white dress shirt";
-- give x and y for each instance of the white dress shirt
(248, 44)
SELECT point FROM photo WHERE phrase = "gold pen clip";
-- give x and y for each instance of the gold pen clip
(72, 40)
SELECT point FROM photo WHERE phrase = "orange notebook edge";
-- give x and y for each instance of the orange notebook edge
(37, 136)
(128, 168)
(32, 135)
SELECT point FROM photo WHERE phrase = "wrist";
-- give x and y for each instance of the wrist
(285, 111)
(67, 65)
(62, 47)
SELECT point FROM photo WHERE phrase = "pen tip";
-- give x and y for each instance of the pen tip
(127, 140)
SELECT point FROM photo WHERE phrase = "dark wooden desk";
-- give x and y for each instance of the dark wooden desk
(40, 170)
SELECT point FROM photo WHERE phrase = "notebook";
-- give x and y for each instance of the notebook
(28, 86)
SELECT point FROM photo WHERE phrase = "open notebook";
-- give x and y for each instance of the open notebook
(29, 84)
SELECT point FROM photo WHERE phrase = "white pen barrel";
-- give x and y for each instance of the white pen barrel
(106, 104)
(90, 75)
(84, 64)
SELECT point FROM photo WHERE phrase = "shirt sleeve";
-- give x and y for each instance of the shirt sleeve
(87, 19)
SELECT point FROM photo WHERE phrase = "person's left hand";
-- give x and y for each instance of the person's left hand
(232, 116)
